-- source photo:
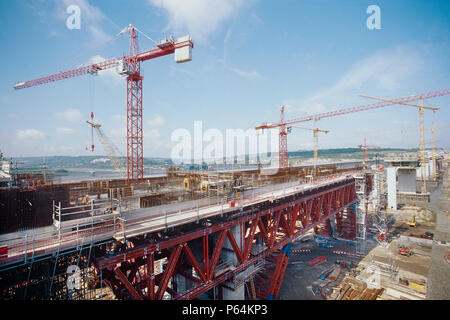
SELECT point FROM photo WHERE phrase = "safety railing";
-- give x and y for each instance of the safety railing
(171, 215)
(89, 213)
(29, 246)
(103, 225)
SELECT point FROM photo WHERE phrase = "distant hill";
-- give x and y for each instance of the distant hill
(102, 162)
(347, 152)
(94, 162)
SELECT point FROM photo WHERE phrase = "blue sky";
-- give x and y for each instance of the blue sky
(250, 57)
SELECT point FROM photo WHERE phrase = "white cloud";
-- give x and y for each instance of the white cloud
(157, 121)
(62, 150)
(54, 34)
(200, 17)
(118, 133)
(386, 70)
(119, 117)
(242, 73)
(91, 19)
(70, 115)
(151, 134)
(64, 130)
(108, 73)
(89, 12)
(181, 70)
(98, 35)
(30, 134)
(246, 74)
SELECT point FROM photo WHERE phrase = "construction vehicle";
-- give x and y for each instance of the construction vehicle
(412, 222)
(341, 263)
(429, 234)
(405, 251)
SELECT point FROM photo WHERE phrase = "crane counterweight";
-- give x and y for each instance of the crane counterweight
(129, 66)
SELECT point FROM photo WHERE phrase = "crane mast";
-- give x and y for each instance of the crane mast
(129, 66)
(420, 107)
(315, 131)
(384, 103)
(365, 147)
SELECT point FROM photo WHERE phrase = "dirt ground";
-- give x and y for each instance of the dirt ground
(300, 278)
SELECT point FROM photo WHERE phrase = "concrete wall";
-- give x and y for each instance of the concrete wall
(428, 171)
(391, 179)
(238, 293)
(406, 179)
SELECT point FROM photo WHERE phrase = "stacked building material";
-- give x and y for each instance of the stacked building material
(335, 274)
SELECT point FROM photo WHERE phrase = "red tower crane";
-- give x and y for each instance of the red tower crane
(131, 67)
(283, 152)
(283, 124)
(365, 147)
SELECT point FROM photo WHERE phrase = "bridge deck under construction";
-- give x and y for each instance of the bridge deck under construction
(206, 242)
(43, 241)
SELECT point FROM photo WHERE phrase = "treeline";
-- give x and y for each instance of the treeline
(357, 152)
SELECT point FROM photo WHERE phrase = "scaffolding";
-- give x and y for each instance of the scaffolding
(361, 213)
(381, 219)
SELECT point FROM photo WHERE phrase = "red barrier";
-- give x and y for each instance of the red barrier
(318, 260)
(3, 252)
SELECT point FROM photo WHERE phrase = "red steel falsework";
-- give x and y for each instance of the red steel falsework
(195, 260)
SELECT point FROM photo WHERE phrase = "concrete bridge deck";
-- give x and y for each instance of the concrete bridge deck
(22, 247)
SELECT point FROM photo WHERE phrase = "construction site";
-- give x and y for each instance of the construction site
(375, 227)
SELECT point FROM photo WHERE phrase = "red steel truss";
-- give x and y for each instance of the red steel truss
(135, 167)
(346, 223)
(198, 255)
(283, 152)
(135, 148)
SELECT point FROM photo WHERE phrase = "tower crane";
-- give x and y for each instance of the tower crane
(433, 148)
(129, 66)
(284, 131)
(111, 150)
(365, 147)
(420, 107)
(315, 138)
(283, 124)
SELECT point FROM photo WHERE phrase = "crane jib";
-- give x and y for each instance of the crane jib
(94, 68)
(427, 95)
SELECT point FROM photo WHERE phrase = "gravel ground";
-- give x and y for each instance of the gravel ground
(439, 274)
